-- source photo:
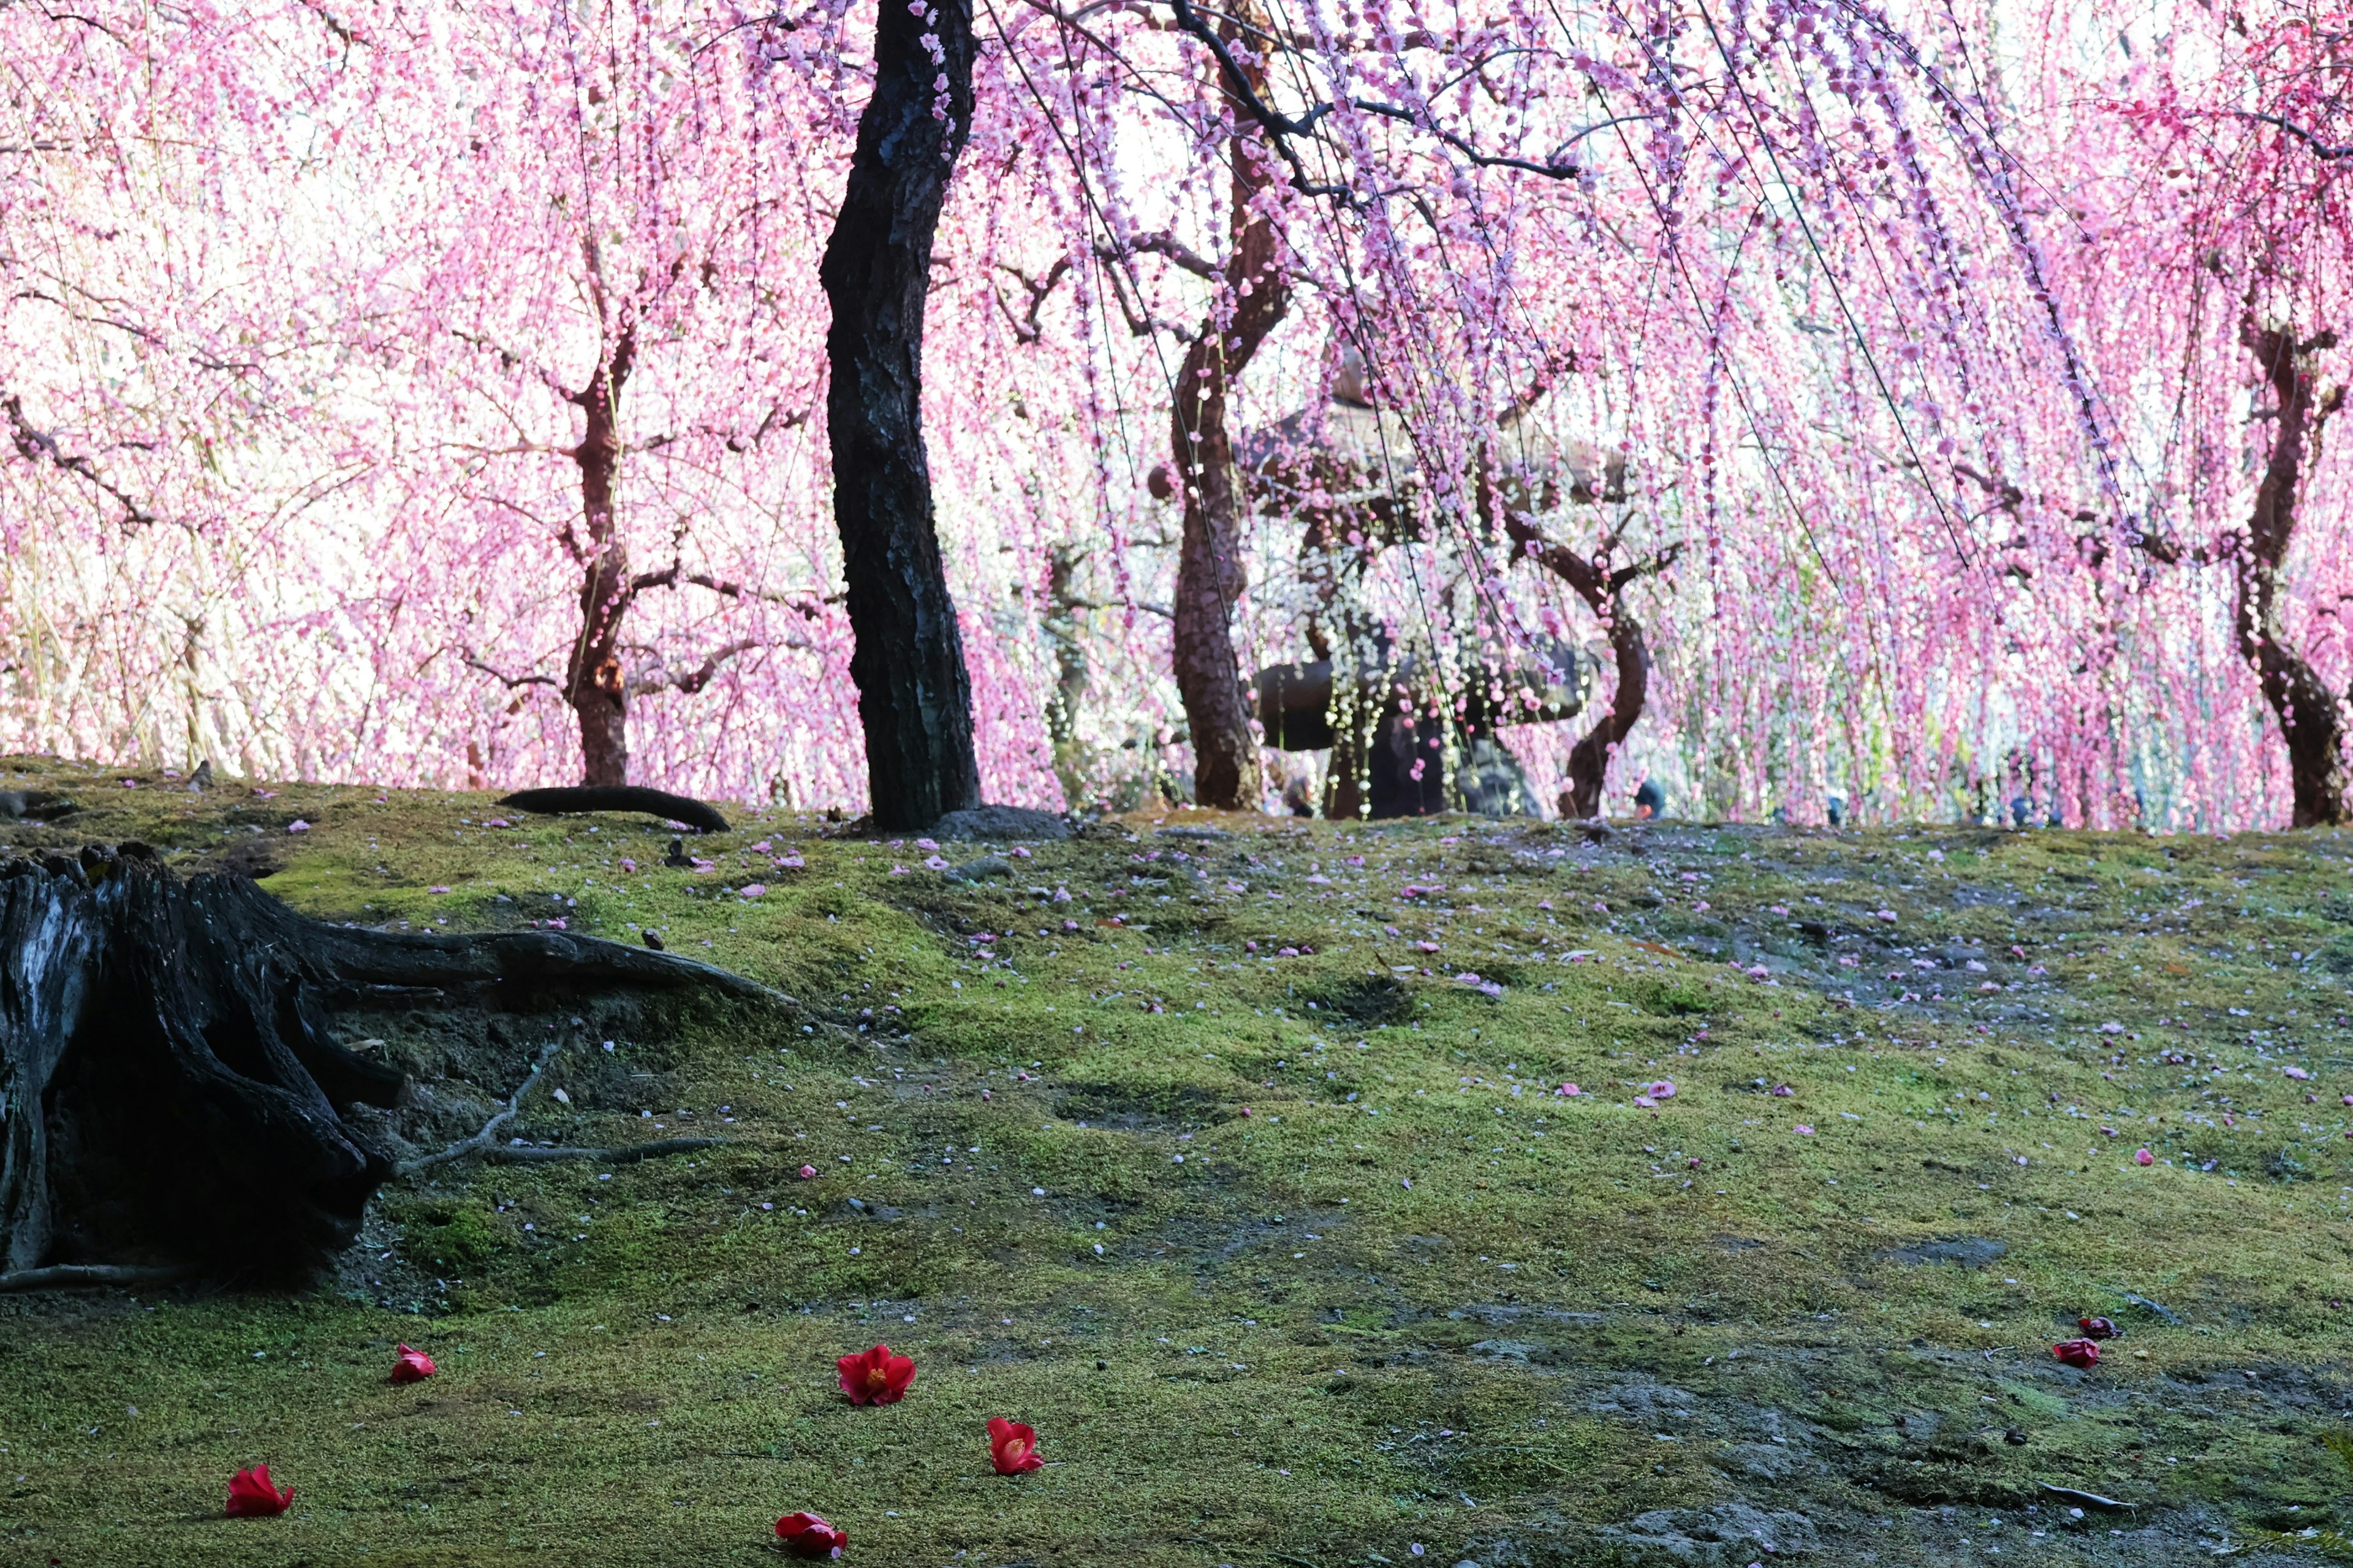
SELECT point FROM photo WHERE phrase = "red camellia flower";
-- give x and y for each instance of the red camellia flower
(251, 1495)
(876, 1377)
(1012, 1447)
(2077, 1352)
(411, 1366)
(2096, 1328)
(806, 1535)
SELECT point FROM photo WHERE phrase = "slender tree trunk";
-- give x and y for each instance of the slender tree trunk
(914, 697)
(593, 682)
(1208, 560)
(2311, 717)
(1589, 760)
(1604, 593)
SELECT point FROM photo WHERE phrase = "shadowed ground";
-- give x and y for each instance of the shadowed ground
(1413, 1297)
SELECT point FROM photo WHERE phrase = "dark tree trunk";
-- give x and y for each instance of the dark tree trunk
(1589, 760)
(593, 679)
(914, 697)
(1604, 593)
(1208, 560)
(2311, 717)
(172, 1091)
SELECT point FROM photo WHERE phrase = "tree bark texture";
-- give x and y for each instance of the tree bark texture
(593, 681)
(172, 1088)
(914, 696)
(1254, 298)
(2312, 717)
(1604, 593)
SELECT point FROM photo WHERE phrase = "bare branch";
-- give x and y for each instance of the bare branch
(480, 1143)
(804, 600)
(1026, 328)
(509, 681)
(1551, 170)
(83, 1276)
(1280, 129)
(2319, 148)
(1165, 244)
(1625, 576)
(628, 1153)
(691, 681)
(40, 447)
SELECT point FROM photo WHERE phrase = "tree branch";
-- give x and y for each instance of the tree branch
(479, 1143)
(1280, 129)
(40, 447)
(1026, 328)
(2319, 148)
(1551, 170)
(82, 1275)
(1164, 245)
(627, 1153)
(694, 680)
(509, 681)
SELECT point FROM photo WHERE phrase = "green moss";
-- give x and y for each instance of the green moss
(1348, 1230)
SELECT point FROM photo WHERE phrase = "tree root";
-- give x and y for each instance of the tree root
(684, 810)
(171, 1082)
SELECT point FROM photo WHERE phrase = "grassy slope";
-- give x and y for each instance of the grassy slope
(1413, 1296)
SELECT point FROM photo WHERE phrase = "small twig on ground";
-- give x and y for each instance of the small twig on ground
(530, 1155)
(480, 1143)
(80, 1275)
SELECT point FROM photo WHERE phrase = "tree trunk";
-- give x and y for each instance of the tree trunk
(1589, 760)
(1604, 593)
(593, 682)
(172, 1091)
(1208, 560)
(2311, 716)
(914, 697)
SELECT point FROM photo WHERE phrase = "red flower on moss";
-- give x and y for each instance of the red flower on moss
(251, 1495)
(1012, 1447)
(876, 1376)
(411, 1366)
(2096, 1328)
(2077, 1352)
(806, 1535)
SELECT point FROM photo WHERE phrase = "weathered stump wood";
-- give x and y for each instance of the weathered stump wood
(171, 1090)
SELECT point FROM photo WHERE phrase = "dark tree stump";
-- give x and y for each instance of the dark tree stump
(172, 1091)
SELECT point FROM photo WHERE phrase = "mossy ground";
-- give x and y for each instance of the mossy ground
(1411, 1296)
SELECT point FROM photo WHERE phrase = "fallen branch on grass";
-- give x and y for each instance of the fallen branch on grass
(83, 1276)
(480, 1143)
(626, 1155)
